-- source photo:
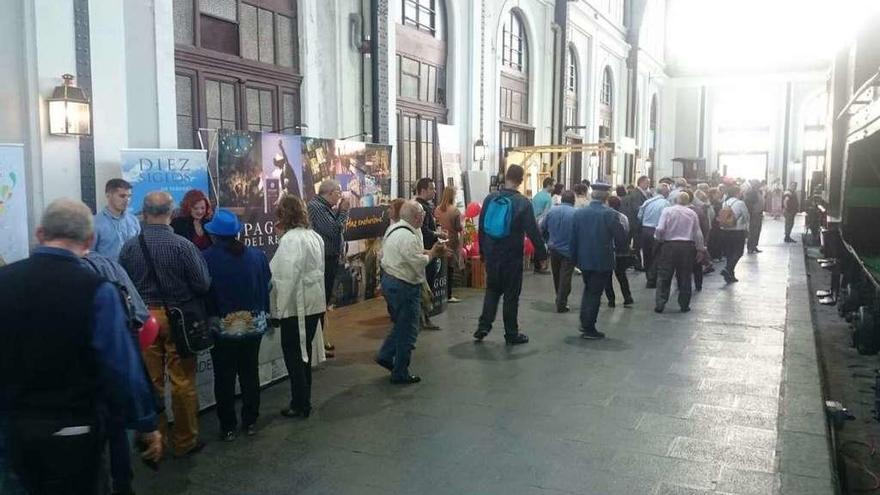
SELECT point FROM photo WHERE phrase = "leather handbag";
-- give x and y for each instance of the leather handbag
(188, 320)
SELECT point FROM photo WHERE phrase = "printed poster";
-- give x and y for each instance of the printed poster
(450, 159)
(174, 171)
(13, 204)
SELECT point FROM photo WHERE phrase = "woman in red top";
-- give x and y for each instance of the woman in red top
(449, 217)
(195, 212)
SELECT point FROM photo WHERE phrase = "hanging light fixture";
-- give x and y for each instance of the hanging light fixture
(480, 150)
(70, 112)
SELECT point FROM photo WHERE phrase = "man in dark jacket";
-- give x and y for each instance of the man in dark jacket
(425, 193)
(504, 258)
(66, 359)
(754, 199)
(597, 234)
(790, 207)
(631, 204)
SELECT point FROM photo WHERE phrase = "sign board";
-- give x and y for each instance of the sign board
(13, 204)
(173, 171)
(366, 223)
(450, 158)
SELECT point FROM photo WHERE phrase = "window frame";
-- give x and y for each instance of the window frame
(521, 48)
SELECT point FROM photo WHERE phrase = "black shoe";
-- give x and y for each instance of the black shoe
(611, 304)
(227, 436)
(564, 309)
(250, 430)
(295, 413)
(699, 288)
(649, 285)
(726, 275)
(479, 335)
(658, 309)
(408, 380)
(388, 365)
(708, 270)
(628, 302)
(517, 339)
(592, 335)
(686, 309)
(756, 250)
(429, 325)
(198, 447)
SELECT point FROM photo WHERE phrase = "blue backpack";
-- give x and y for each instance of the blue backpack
(496, 217)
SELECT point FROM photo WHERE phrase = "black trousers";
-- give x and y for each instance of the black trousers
(331, 265)
(562, 269)
(756, 222)
(676, 258)
(594, 285)
(789, 223)
(733, 242)
(698, 275)
(621, 264)
(299, 372)
(47, 464)
(635, 236)
(715, 246)
(649, 253)
(503, 278)
(236, 359)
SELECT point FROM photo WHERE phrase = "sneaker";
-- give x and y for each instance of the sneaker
(227, 436)
(686, 309)
(429, 325)
(517, 339)
(592, 335)
(406, 380)
(563, 309)
(479, 335)
(658, 309)
(250, 430)
(611, 304)
(453, 300)
(628, 302)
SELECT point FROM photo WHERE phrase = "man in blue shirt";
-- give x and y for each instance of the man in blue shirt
(596, 234)
(558, 227)
(115, 224)
(67, 359)
(543, 201)
(649, 217)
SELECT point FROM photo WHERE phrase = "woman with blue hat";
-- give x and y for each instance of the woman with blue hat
(238, 304)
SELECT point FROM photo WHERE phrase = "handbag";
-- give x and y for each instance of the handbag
(188, 320)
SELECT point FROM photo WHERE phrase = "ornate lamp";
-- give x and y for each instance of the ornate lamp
(70, 112)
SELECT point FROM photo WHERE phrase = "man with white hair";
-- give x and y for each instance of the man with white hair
(328, 212)
(649, 216)
(680, 185)
(66, 355)
(404, 259)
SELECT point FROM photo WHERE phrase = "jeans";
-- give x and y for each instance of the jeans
(48, 464)
(789, 224)
(649, 253)
(622, 263)
(404, 301)
(733, 242)
(162, 358)
(299, 372)
(756, 221)
(594, 285)
(236, 358)
(562, 269)
(676, 258)
(503, 278)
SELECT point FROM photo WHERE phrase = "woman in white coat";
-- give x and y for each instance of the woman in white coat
(297, 298)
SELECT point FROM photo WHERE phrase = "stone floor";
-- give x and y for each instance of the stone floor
(667, 404)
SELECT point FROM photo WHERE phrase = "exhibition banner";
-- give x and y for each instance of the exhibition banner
(450, 159)
(366, 223)
(13, 204)
(174, 171)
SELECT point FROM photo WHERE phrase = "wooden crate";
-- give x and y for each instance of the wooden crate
(478, 273)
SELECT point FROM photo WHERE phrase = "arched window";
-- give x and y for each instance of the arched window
(652, 134)
(606, 121)
(513, 111)
(514, 45)
(571, 89)
(421, 90)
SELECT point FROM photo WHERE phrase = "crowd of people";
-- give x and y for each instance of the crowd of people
(78, 375)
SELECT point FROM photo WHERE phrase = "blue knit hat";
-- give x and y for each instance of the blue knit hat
(225, 223)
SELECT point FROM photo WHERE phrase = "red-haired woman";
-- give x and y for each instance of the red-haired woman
(195, 212)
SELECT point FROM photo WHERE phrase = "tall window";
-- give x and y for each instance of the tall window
(652, 132)
(744, 115)
(237, 66)
(513, 110)
(814, 139)
(606, 121)
(571, 89)
(421, 91)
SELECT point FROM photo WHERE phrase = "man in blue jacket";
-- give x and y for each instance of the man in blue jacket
(596, 234)
(504, 258)
(558, 226)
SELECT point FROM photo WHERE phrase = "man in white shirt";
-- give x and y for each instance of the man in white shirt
(733, 237)
(404, 259)
(679, 235)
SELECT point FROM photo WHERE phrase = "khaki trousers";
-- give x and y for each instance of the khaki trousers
(162, 358)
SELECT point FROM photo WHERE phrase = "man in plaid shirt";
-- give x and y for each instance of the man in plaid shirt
(184, 276)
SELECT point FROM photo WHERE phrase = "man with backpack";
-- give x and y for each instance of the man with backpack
(507, 215)
(733, 218)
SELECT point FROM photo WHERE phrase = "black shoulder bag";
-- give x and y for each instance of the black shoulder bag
(188, 320)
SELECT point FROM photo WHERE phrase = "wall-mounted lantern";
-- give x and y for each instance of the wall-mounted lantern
(480, 150)
(70, 112)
